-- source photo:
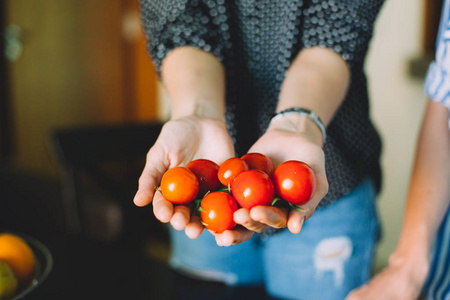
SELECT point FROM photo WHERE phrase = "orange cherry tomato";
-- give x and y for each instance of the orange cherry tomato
(295, 182)
(206, 172)
(252, 188)
(216, 211)
(231, 168)
(179, 185)
(259, 161)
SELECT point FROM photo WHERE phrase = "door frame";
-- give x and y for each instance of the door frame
(5, 122)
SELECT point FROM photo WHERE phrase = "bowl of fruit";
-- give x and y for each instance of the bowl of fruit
(25, 263)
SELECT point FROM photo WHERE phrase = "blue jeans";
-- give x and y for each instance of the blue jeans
(329, 257)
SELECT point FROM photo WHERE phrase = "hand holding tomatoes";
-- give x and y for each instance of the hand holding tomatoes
(246, 192)
(299, 146)
(181, 141)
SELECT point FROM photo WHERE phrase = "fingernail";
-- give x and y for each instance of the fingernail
(300, 224)
(136, 199)
(164, 215)
(176, 224)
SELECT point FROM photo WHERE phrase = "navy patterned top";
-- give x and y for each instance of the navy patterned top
(256, 40)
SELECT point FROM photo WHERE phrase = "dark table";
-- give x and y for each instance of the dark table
(87, 268)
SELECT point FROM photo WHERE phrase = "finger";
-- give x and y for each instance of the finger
(162, 208)
(295, 221)
(194, 228)
(146, 189)
(242, 217)
(233, 237)
(275, 217)
(181, 217)
(150, 177)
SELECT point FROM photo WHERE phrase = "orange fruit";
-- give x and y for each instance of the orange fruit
(19, 256)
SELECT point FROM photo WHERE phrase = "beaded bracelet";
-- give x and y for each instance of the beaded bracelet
(303, 112)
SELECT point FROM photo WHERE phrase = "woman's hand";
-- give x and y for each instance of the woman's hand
(181, 141)
(284, 141)
(398, 281)
(316, 80)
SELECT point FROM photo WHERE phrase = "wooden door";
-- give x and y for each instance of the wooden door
(76, 69)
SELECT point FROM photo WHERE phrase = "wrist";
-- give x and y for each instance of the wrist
(300, 121)
(415, 263)
(202, 108)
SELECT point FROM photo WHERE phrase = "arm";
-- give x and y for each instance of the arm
(427, 202)
(317, 80)
(194, 81)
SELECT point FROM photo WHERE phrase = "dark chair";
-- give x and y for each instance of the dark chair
(102, 164)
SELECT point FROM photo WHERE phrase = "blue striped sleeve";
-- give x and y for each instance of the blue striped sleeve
(437, 81)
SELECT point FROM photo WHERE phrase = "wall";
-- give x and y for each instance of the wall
(397, 107)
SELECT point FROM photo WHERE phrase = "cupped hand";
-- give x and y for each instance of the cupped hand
(181, 141)
(281, 146)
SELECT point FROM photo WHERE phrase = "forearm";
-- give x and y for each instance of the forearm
(195, 83)
(317, 80)
(429, 192)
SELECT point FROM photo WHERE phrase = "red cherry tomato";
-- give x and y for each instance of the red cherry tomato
(206, 172)
(259, 161)
(179, 185)
(217, 211)
(252, 188)
(295, 182)
(231, 168)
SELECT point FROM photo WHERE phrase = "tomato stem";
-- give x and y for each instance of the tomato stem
(197, 203)
(297, 208)
(225, 189)
(275, 200)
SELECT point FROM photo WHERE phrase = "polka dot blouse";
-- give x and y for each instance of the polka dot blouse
(257, 40)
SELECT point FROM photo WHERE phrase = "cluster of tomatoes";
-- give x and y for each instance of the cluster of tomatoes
(246, 182)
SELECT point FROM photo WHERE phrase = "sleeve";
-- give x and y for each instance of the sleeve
(169, 24)
(437, 81)
(345, 26)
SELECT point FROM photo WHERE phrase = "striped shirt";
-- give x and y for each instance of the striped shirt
(437, 286)
(437, 82)
(437, 88)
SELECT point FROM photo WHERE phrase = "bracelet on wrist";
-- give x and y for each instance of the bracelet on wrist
(303, 112)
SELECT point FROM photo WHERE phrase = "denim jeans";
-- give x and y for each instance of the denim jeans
(329, 257)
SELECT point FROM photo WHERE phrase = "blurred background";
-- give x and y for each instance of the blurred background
(74, 64)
